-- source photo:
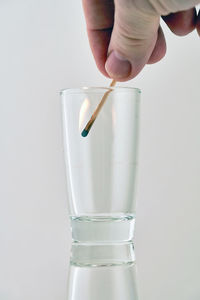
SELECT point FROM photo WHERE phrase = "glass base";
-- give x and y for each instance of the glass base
(102, 229)
(102, 255)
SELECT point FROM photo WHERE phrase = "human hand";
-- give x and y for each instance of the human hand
(125, 35)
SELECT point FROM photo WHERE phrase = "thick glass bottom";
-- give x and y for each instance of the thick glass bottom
(103, 228)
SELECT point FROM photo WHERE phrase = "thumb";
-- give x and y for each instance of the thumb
(132, 42)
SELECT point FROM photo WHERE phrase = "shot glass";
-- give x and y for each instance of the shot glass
(101, 171)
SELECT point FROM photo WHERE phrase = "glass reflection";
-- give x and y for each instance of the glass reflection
(102, 283)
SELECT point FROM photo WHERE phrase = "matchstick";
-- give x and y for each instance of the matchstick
(87, 128)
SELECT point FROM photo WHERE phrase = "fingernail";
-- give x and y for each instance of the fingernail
(117, 66)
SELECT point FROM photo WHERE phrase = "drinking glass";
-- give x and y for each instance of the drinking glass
(101, 172)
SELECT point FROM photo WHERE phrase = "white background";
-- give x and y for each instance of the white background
(43, 48)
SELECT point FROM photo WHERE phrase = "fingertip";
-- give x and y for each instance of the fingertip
(183, 22)
(159, 49)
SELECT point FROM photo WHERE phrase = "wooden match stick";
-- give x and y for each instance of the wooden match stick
(87, 128)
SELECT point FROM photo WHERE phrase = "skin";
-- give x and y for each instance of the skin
(125, 35)
(198, 24)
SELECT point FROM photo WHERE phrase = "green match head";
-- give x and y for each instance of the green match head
(84, 133)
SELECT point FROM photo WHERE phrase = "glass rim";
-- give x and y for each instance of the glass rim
(101, 88)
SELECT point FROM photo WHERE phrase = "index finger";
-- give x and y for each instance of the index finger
(99, 17)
